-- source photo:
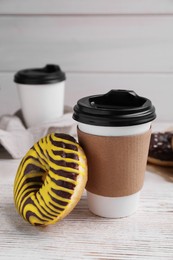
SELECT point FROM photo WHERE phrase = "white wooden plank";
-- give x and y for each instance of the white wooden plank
(157, 87)
(86, 7)
(117, 44)
(146, 235)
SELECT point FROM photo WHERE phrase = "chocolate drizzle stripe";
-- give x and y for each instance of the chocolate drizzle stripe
(42, 145)
(63, 145)
(57, 142)
(23, 203)
(32, 167)
(51, 206)
(64, 138)
(47, 205)
(42, 212)
(42, 209)
(30, 214)
(53, 198)
(54, 186)
(67, 151)
(41, 151)
(21, 170)
(27, 179)
(63, 194)
(66, 174)
(21, 197)
(65, 182)
(55, 167)
(32, 174)
(60, 203)
(26, 187)
(63, 156)
(24, 196)
(59, 177)
(54, 195)
(19, 175)
(30, 206)
(65, 163)
(58, 209)
(34, 212)
(63, 153)
(40, 156)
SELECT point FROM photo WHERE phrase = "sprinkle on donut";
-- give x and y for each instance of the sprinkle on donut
(50, 179)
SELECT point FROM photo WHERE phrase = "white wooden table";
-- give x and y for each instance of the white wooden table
(148, 234)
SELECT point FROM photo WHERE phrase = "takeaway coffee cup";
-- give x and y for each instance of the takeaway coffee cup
(41, 93)
(114, 130)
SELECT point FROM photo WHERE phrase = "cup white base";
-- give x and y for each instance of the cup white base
(111, 207)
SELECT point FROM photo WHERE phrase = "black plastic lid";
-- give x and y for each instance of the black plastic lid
(115, 108)
(35, 76)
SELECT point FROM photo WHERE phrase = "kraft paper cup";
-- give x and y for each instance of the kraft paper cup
(114, 130)
(118, 203)
(41, 94)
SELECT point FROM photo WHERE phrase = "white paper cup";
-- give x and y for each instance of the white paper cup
(41, 103)
(113, 207)
(114, 130)
(42, 99)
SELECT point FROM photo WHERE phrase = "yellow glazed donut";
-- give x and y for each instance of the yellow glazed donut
(50, 179)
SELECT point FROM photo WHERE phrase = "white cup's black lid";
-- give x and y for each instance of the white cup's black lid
(115, 108)
(37, 76)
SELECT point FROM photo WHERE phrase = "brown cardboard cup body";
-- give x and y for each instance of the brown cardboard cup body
(116, 164)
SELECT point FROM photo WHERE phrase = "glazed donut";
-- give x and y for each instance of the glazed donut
(50, 179)
(161, 149)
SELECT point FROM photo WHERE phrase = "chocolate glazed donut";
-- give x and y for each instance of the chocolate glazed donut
(161, 149)
(50, 179)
